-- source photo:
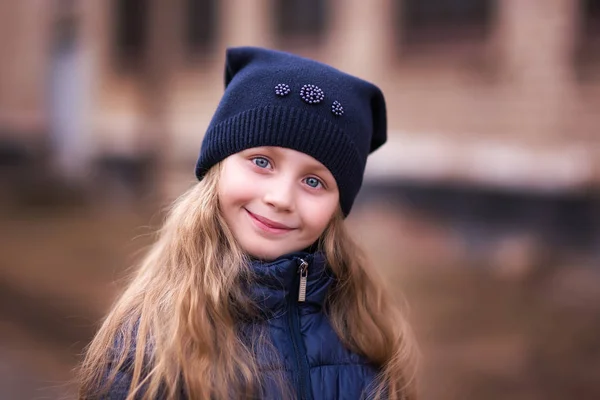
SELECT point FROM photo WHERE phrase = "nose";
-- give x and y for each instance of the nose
(279, 195)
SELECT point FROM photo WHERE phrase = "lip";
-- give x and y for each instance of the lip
(268, 225)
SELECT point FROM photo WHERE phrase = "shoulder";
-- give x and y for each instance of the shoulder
(118, 372)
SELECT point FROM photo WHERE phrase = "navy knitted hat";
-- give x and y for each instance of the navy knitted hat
(274, 98)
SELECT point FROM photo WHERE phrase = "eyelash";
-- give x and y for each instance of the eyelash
(320, 182)
(253, 159)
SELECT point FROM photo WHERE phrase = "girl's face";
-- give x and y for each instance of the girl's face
(276, 200)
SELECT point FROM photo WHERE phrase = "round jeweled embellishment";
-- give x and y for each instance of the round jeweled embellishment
(282, 89)
(337, 108)
(312, 94)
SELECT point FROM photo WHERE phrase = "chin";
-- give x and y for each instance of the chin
(264, 254)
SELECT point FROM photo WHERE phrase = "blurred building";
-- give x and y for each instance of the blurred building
(501, 93)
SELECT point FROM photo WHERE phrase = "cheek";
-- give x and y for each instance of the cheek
(317, 214)
(230, 194)
(235, 186)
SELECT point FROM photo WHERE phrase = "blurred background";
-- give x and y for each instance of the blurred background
(482, 211)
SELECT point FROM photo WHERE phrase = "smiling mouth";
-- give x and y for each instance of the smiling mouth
(269, 225)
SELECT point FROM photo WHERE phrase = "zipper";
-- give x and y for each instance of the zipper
(303, 271)
(304, 392)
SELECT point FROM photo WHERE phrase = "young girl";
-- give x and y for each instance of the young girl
(254, 288)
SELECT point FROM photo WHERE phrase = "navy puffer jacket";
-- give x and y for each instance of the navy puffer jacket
(309, 353)
(318, 365)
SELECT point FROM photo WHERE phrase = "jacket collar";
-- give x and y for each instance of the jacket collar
(276, 283)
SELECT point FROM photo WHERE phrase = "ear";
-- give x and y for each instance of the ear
(379, 115)
(237, 58)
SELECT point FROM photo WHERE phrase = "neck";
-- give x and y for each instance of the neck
(312, 249)
(278, 282)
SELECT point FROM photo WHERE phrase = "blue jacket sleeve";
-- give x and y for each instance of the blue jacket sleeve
(119, 387)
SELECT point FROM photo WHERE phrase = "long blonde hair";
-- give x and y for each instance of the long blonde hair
(178, 320)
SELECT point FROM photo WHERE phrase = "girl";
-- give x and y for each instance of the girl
(254, 288)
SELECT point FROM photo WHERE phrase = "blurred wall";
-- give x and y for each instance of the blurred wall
(24, 49)
(458, 74)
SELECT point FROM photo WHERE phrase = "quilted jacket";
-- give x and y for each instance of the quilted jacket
(291, 291)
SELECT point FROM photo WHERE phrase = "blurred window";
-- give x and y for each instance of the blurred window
(591, 17)
(131, 32)
(588, 51)
(424, 22)
(200, 25)
(300, 21)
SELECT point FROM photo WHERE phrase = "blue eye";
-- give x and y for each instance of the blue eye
(261, 162)
(313, 182)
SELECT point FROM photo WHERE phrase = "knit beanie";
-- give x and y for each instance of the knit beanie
(273, 98)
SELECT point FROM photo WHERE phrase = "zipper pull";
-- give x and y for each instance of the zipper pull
(303, 270)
